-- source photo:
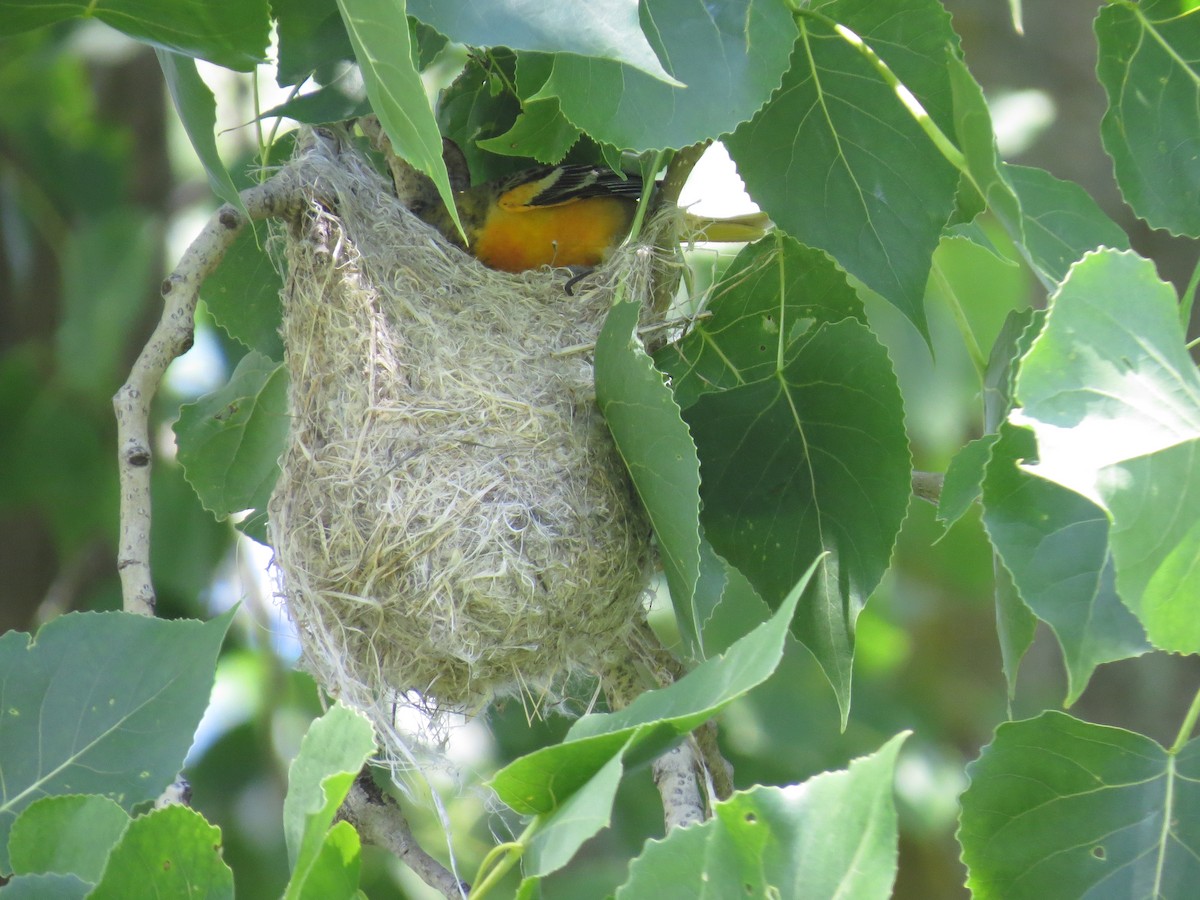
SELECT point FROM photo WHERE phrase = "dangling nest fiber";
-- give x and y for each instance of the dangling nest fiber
(452, 521)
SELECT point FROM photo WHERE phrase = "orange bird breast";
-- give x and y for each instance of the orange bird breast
(578, 232)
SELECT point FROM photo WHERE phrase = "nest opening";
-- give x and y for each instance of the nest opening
(452, 521)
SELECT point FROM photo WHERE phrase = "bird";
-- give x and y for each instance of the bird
(571, 216)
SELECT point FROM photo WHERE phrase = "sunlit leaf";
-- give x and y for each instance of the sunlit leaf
(331, 756)
(1114, 399)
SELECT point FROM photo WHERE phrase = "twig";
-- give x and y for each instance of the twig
(676, 771)
(928, 486)
(380, 821)
(675, 778)
(172, 337)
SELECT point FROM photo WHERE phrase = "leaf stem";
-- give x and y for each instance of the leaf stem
(1189, 723)
(500, 859)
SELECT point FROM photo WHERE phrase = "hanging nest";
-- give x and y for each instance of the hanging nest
(452, 521)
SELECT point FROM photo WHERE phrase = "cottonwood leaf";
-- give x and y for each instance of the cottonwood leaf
(821, 158)
(1149, 64)
(197, 111)
(230, 439)
(1054, 543)
(68, 834)
(380, 34)
(658, 451)
(330, 758)
(100, 703)
(170, 852)
(230, 33)
(541, 782)
(1063, 808)
(729, 57)
(799, 425)
(242, 294)
(604, 30)
(1114, 400)
(776, 842)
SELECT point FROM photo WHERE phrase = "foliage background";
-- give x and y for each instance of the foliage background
(98, 188)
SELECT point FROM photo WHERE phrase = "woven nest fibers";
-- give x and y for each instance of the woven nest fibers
(452, 520)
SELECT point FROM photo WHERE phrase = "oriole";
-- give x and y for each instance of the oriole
(571, 216)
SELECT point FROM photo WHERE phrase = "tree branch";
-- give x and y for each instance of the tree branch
(380, 821)
(928, 486)
(172, 337)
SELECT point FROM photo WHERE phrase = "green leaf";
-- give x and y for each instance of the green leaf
(658, 451)
(242, 294)
(964, 479)
(69, 834)
(777, 842)
(1016, 625)
(312, 40)
(331, 103)
(999, 379)
(108, 265)
(1055, 545)
(813, 460)
(608, 30)
(335, 872)
(773, 384)
(772, 294)
(580, 816)
(1114, 401)
(331, 756)
(729, 56)
(1148, 64)
(840, 189)
(382, 44)
(46, 887)
(198, 111)
(230, 440)
(1063, 808)
(171, 852)
(1060, 221)
(540, 132)
(539, 783)
(80, 714)
(230, 33)
(977, 141)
